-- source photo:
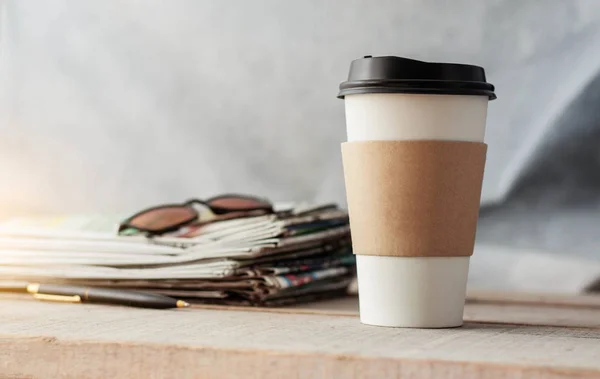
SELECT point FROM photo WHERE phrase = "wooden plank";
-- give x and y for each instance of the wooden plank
(41, 340)
(537, 299)
(533, 315)
(495, 308)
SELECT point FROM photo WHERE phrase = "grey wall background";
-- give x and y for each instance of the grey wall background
(115, 105)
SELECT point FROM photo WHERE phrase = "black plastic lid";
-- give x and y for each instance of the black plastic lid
(403, 75)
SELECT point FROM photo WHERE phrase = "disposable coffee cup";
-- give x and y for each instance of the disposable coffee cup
(413, 166)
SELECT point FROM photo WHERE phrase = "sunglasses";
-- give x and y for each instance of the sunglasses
(170, 217)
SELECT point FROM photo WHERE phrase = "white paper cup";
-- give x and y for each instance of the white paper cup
(424, 292)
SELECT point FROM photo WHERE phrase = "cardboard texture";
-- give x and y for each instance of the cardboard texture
(413, 198)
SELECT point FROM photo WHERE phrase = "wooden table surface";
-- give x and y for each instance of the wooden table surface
(505, 336)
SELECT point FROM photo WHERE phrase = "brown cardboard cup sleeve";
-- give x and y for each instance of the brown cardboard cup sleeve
(413, 198)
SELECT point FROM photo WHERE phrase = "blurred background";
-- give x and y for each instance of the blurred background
(112, 106)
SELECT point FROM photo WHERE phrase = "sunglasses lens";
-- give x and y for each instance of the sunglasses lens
(239, 203)
(158, 219)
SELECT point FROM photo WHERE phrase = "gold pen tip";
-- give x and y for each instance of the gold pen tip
(33, 288)
(182, 304)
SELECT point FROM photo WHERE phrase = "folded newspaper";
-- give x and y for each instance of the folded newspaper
(301, 254)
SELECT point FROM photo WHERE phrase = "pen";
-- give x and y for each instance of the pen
(82, 294)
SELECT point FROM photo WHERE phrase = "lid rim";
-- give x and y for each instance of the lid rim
(418, 91)
(416, 83)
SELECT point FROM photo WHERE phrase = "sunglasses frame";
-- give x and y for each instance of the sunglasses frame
(268, 207)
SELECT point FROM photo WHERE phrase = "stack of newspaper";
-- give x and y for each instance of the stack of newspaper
(301, 254)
